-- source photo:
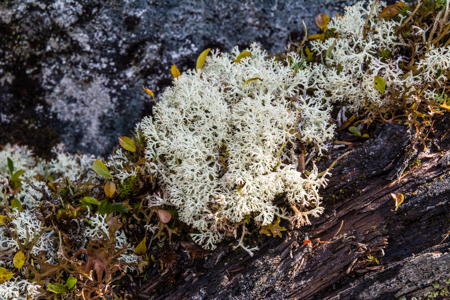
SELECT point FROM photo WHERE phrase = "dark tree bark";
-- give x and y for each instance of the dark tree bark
(360, 221)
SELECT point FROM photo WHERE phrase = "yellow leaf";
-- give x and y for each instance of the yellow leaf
(320, 36)
(274, 228)
(445, 106)
(16, 204)
(252, 80)
(127, 143)
(53, 185)
(243, 55)
(110, 188)
(379, 84)
(175, 71)
(391, 10)
(201, 59)
(148, 91)
(2, 220)
(398, 198)
(100, 168)
(322, 21)
(141, 248)
(19, 259)
(5, 275)
(372, 259)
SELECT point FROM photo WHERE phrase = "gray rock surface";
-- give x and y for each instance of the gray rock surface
(76, 67)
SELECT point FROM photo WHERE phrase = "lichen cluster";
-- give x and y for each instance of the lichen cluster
(230, 150)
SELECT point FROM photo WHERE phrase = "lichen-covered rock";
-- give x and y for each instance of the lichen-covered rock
(76, 67)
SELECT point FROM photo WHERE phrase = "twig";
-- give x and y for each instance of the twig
(332, 165)
(339, 230)
(368, 17)
(419, 3)
(349, 269)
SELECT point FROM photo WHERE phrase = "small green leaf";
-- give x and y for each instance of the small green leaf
(243, 55)
(16, 204)
(16, 175)
(105, 207)
(57, 288)
(202, 58)
(365, 135)
(175, 71)
(70, 283)
(91, 200)
(252, 80)
(141, 248)
(100, 168)
(329, 51)
(10, 165)
(379, 84)
(127, 143)
(119, 207)
(354, 130)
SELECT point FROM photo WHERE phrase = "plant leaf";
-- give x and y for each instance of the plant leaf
(100, 168)
(242, 55)
(19, 260)
(91, 200)
(164, 215)
(105, 207)
(70, 283)
(141, 248)
(201, 59)
(119, 207)
(354, 130)
(110, 188)
(379, 84)
(365, 135)
(252, 80)
(391, 10)
(127, 143)
(275, 228)
(320, 36)
(57, 288)
(322, 21)
(10, 165)
(2, 220)
(16, 204)
(175, 71)
(16, 175)
(398, 198)
(5, 275)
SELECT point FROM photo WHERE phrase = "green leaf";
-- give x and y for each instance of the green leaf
(127, 143)
(16, 204)
(16, 175)
(10, 165)
(105, 207)
(57, 288)
(100, 168)
(379, 84)
(329, 51)
(91, 200)
(70, 283)
(119, 207)
(354, 130)
(243, 55)
(252, 80)
(201, 59)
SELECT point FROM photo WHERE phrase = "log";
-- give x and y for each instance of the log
(360, 225)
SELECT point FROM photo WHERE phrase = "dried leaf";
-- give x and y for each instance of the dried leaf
(322, 21)
(19, 260)
(398, 198)
(53, 185)
(354, 130)
(391, 10)
(70, 283)
(10, 165)
(16, 204)
(113, 225)
(141, 248)
(242, 55)
(175, 71)
(5, 275)
(350, 120)
(100, 168)
(127, 143)
(110, 189)
(164, 215)
(379, 84)
(91, 200)
(201, 59)
(57, 288)
(252, 80)
(274, 228)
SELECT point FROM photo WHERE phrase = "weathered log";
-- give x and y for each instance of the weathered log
(360, 222)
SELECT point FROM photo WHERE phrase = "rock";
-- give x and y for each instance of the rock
(75, 68)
